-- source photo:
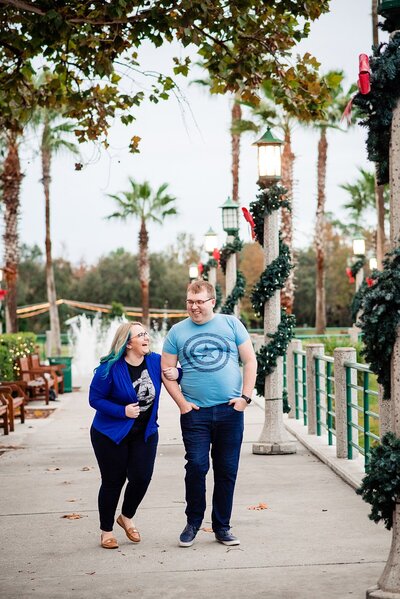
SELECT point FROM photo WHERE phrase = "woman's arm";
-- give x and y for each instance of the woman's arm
(98, 396)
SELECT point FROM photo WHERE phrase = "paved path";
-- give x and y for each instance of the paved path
(313, 542)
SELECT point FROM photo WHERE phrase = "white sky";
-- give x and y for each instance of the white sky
(189, 147)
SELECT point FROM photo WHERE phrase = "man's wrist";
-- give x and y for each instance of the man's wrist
(246, 398)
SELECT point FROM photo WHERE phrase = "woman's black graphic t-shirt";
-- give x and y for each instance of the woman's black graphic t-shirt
(145, 392)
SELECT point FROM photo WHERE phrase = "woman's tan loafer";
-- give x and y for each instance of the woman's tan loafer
(132, 533)
(110, 543)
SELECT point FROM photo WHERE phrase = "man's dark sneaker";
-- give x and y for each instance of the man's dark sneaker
(188, 535)
(226, 538)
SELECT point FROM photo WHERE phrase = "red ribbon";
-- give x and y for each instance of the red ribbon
(350, 275)
(250, 220)
(200, 268)
(364, 74)
(3, 293)
(369, 281)
(216, 254)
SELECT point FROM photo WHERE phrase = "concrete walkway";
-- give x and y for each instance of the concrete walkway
(314, 541)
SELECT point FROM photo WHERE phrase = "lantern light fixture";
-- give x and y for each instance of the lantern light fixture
(230, 217)
(269, 157)
(210, 241)
(359, 247)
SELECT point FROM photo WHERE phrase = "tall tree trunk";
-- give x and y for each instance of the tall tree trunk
(320, 308)
(11, 178)
(55, 334)
(236, 115)
(375, 30)
(379, 197)
(144, 272)
(288, 157)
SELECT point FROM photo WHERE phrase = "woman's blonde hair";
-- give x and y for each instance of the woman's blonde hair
(118, 345)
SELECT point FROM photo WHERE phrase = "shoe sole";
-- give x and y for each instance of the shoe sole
(186, 543)
(229, 543)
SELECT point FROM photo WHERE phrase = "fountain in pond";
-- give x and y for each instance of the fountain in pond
(91, 338)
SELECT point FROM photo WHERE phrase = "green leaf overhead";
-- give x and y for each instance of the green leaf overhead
(90, 44)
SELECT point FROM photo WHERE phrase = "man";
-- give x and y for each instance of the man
(212, 399)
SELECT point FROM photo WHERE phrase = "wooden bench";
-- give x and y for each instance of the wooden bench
(4, 414)
(37, 384)
(15, 397)
(55, 371)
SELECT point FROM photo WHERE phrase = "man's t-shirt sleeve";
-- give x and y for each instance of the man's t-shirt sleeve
(241, 334)
(170, 346)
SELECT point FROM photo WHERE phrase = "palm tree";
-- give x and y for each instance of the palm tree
(363, 198)
(11, 178)
(333, 112)
(148, 206)
(52, 142)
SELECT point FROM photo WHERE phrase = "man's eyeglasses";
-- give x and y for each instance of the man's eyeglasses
(139, 335)
(191, 303)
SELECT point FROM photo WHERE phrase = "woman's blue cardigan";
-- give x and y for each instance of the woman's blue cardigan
(109, 395)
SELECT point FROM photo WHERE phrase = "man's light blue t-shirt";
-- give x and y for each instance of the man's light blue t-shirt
(209, 358)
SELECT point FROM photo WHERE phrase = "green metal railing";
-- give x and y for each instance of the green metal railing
(325, 397)
(300, 385)
(358, 399)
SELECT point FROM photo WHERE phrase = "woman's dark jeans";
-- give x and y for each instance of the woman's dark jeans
(132, 459)
(221, 428)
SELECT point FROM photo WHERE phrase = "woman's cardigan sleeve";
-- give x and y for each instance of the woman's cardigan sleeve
(99, 392)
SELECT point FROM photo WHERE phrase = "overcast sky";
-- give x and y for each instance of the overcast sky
(187, 144)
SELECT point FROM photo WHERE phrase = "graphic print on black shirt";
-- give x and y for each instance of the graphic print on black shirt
(145, 391)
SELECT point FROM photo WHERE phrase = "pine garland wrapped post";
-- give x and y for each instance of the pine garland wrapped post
(381, 108)
(278, 326)
(238, 291)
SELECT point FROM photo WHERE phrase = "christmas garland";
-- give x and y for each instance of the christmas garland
(230, 248)
(238, 292)
(377, 106)
(272, 279)
(381, 485)
(380, 319)
(357, 301)
(357, 266)
(267, 201)
(212, 263)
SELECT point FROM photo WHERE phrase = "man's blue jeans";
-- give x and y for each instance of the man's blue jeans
(221, 429)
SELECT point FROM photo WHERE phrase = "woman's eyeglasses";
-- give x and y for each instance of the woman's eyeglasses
(139, 335)
(191, 303)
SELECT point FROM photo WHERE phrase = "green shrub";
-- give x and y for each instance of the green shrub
(331, 343)
(14, 346)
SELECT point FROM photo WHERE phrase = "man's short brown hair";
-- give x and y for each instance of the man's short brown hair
(199, 286)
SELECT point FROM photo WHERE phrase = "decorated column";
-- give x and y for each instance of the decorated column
(380, 319)
(278, 326)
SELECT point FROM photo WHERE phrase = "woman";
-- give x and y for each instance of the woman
(125, 393)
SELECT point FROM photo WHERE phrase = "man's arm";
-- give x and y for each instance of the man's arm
(168, 361)
(249, 360)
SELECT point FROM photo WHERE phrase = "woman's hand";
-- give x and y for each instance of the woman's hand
(171, 374)
(132, 410)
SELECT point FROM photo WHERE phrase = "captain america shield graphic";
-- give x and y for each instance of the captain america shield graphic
(206, 352)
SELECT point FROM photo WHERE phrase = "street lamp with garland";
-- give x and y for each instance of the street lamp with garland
(274, 438)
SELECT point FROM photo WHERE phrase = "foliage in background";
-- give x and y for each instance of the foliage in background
(17, 345)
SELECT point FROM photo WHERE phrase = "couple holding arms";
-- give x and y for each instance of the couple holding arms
(211, 394)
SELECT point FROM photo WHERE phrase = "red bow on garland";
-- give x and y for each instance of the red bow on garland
(369, 281)
(3, 293)
(250, 220)
(350, 275)
(364, 85)
(216, 254)
(200, 268)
